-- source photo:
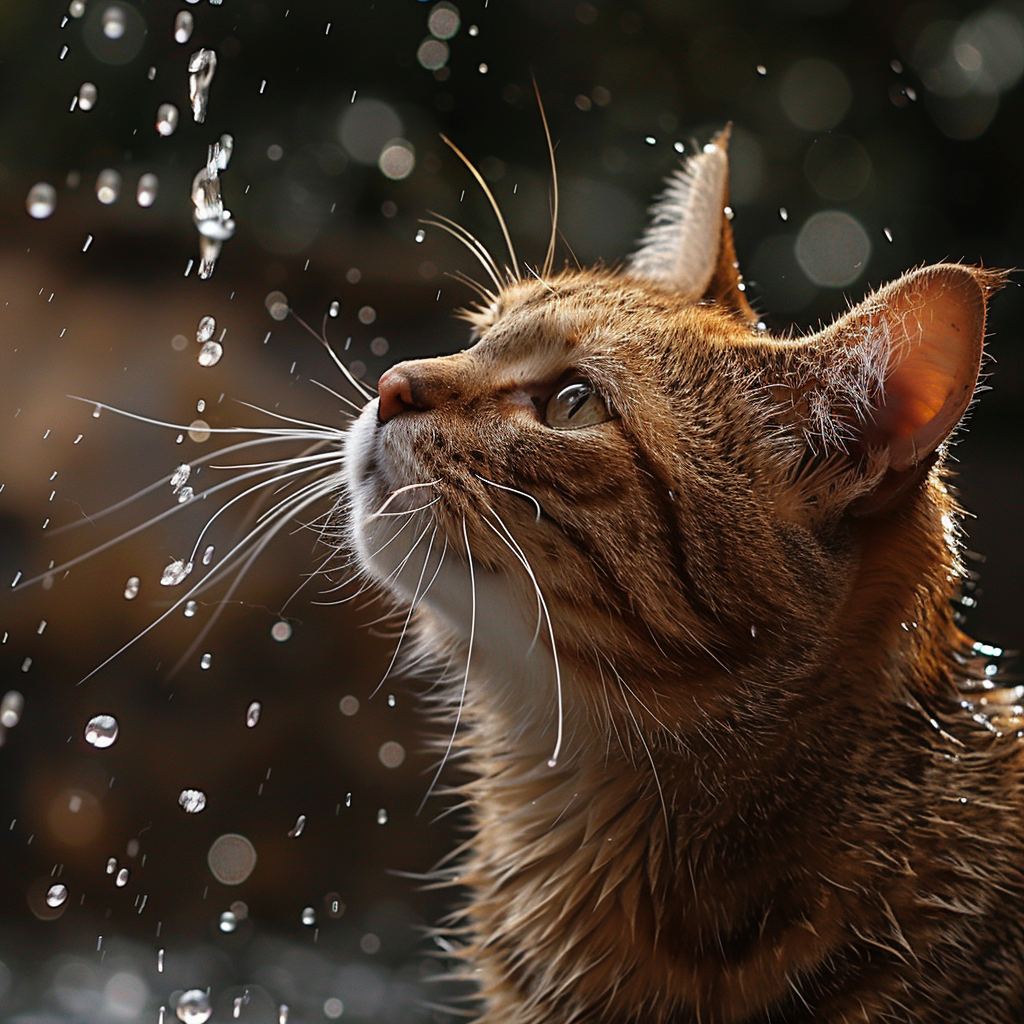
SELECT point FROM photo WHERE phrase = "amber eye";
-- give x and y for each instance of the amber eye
(575, 405)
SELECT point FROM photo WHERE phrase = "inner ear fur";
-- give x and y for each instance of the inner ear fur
(914, 351)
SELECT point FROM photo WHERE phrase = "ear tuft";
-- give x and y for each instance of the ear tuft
(680, 247)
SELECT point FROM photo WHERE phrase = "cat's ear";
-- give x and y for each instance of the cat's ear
(898, 371)
(688, 245)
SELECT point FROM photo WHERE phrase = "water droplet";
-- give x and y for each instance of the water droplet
(335, 309)
(308, 916)
(379, 346)
(183, 25)
(396, 161)
(281, 631)
(761, 69)
(166, 118)
(56, 895)
(201, 405)
(10, 708)
(122, 878)
(108, 186)
(179, 476)
(113, 22)
(650, 140)
(99, 408)
(252, 714)
(194, 1007)
(208, 555)
(76, 8)
(333, 1008)
(210, 354)
(204, 332)
(111, 865)
(349, 705)
(482, 69)
(175, 572)
(201, 66)
(382, 816)
(888, 234)
(296, 830)
(192, 801)
(185, 494)
(206, 661)
(474, 30)
(228, 922)
(277, 305)
(443, 20)
(131, 588)
(678, 147)
(87, 96)
(41, 200)
(391, 700)
(190, 609)
(420, 235)
(145, 193)
(101, 731)
(783, 213)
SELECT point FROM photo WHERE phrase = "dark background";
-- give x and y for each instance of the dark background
(907, 119)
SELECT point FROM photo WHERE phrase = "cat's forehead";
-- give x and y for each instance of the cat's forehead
(589, 312)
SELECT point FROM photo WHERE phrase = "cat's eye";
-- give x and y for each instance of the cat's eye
(575, 405)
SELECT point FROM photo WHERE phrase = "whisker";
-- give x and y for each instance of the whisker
(490, 197)
(485, 293)
(407, 512)
(361, 389)
(650, 756)
(539, 278)
(469, 659)
(513, 490)
(459, 233)
(549, 258)
(340, 397)
(401, 490)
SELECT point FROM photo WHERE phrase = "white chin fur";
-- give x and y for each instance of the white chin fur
(415, 562)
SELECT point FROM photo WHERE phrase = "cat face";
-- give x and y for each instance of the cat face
(642, 483)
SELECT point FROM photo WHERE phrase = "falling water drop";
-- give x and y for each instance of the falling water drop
(252, 714)
(166, 118)
(204, 332)
(131, 588)
(76, 8)
(206, 661)
(308, 916)
(108, 186)
(277, 305)
(281, 631)
(190, 609)
(56, 895)
(282, 1014)
(101, 731)
(180, 476)
(113, 22)
(87, 96)
(210, 354)
(192, 801)
(201, 66)
(335, 309)
(11, 708)
(145, 193)
(888, 234)
(185, 494)
(194, 1007)
(382, 816)
(183, 25)
(228, 922)
(122, 878)
(783, 213)
(208, 554)
(296, 830)
(111, 865)
(175, 572)
(420, 235)
(41, 200)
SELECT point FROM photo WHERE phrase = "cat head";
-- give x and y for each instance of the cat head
(668, 489)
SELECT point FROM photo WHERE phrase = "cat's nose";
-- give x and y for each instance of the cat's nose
(397, 394)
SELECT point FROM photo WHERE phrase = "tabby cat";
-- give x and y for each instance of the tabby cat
(689, 587)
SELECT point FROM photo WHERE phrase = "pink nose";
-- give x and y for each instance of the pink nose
(395, 392)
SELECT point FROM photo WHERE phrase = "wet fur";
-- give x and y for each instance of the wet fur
(781, 795)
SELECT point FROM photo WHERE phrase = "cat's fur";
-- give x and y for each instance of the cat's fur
(787, 790)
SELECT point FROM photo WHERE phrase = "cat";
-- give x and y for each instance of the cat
(688, 590)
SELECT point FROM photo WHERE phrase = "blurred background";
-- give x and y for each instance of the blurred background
(868, 137)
